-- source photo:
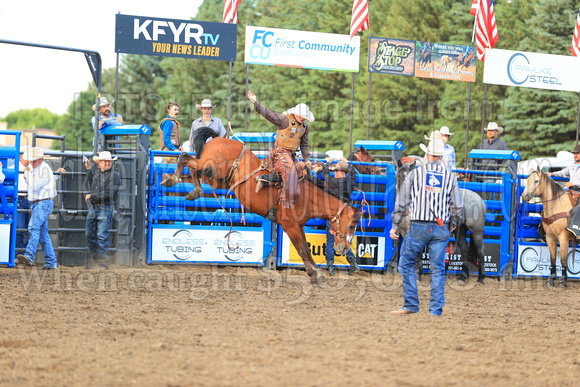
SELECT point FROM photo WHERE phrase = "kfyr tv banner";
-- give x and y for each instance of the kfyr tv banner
(309, 50)
(530, 69)
(179, 38)
(421, 59)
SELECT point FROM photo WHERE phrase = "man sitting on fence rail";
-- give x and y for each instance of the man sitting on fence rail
(572, 171)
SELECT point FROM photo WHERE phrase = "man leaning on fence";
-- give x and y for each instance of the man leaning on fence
(41, 192)
(103, 185)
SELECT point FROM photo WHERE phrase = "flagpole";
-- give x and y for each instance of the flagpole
(351, 111)
(369, 104)
(484, 106)
(229, 97)
(469, 89)
(247, 89)
(578, 121)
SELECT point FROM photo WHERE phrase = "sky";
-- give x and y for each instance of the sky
(32, 77)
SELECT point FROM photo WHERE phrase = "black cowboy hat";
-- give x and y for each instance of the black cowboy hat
(576, 149)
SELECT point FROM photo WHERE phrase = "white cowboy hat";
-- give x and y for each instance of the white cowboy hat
(301, 110)
(445, 130)
(435, 148)
(105, 156)
(32, 154)
(102, 101)
(494, 126)
(205, 103)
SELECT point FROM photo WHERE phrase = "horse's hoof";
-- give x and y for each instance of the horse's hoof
(318, 279)
(550, 283)
(192, 195)
(563, 284)
(461, 281)
(480, 280)
(170, 181)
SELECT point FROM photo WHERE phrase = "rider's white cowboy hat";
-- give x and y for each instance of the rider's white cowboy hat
(494, 126)
(33, 154)
(105, 156)
(435, 148)
(206, 103)
(102, 101)
(434, 135)
(301, 110)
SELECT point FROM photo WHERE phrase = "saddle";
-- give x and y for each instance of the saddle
(273, 179)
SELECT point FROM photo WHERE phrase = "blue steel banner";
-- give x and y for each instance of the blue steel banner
(180, 38)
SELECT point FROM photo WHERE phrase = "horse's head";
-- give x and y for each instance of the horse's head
(534, 186)
(363, 156)
(343, 227)
(403, 171)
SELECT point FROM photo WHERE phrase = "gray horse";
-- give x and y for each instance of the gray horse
(473, 221)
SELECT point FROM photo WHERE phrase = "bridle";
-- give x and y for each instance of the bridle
(370, 170)
(538, 185)
(339, 234)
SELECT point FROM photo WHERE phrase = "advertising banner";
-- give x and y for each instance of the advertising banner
(5, 241)
(303, 49)
(454, 261)
(368, 250)
(534, 261)
(530, 69)
(180, 38)
(421, 59)
(201, 245)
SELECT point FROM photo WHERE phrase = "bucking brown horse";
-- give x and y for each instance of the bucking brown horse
(224, 160)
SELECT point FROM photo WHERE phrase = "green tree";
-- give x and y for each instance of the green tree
(542, 122)
(31, 119)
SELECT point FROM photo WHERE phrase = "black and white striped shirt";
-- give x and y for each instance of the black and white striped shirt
(429, 192)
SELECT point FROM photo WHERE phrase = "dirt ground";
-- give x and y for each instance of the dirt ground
(226, 326)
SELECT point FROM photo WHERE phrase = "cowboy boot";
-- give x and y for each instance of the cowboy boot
(330, 265)
(261, 182)
(564, 279)
(353, 265)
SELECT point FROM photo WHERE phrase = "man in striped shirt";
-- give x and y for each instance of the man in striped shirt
(435, 205)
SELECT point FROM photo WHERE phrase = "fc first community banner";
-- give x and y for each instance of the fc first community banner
(309, 50)
(530, 69)
(179, 38)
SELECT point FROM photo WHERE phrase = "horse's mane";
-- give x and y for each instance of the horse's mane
(320, 184)
(556, 188)
(352, 157)
(200, 136)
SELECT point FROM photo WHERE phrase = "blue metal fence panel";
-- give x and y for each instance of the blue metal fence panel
(9, 156)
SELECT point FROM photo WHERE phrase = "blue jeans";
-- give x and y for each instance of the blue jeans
(22, 220)
(435, 238)
(330, 247)
(99, 221)
(38, 230)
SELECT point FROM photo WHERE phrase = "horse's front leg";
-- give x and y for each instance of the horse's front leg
(198, 191)
(183, 160)
(298, 239)
(553, 248)
(564, 242)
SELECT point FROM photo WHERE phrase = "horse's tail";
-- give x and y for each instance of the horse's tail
(200, 136)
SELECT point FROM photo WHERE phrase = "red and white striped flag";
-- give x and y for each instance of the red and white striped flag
(486, 30)
(360, 17)
(576, 38)
(231, 11)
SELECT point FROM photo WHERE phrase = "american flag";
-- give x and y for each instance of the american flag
(360, 17)
(576, 38)
(231, 11)
(486, 30)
